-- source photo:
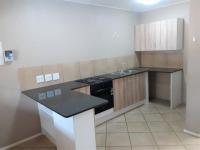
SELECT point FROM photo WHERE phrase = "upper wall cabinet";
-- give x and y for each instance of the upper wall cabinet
(160, 35)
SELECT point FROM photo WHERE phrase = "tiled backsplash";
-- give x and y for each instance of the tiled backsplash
(162, 59)
(73, 71)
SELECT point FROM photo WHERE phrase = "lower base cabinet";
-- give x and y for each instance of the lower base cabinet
(128, 90)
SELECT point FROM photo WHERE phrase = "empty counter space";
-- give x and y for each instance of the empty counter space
(67, 114)
(166, 84)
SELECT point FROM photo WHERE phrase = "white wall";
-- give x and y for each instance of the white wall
(50, 32)
(66, 31)
(180, 10)
(193, 71)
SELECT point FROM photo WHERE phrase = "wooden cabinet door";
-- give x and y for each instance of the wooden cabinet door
(85, 90)
(172, 34)
(152, 35)
(142, 38)
(137, 38)
(142, 87)
(128, 91)
(118, 91)
(163, 33)
(158, 35)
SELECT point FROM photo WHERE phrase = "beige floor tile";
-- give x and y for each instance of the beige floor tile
(142, 139)
(137, 127)
(183, 115)
(118, 139)
(159, 127)
(118, 148)
(172, 116)
(177, 126)
(188, 139)
(153, 117)
(164, 109)
(166, 138)
(181, 109)
(100, 140)
(116, 127)
(134, 118)
(172, 148)
(118, 119)
(146, 109)
(101, 128)
(193, 147)
(145, 148)
(134, 111)
(33, 148)
(101, 148)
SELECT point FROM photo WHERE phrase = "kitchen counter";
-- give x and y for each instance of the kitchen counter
(67, 116)
(139, 70)
(161, 70)
(62, 100)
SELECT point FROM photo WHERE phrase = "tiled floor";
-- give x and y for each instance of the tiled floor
(150, 127)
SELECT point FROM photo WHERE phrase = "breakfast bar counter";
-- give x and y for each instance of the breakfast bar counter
(67, 116)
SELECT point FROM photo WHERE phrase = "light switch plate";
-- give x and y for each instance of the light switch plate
(56, 76)
(48, 77)
(39, 78)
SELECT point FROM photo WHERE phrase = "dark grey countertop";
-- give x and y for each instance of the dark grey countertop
(161, 70)
(139, 70)
(61, 99)
(114, 76)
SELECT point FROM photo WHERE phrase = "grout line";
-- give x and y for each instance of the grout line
(140, 112)
(150, 131)
(128, 132)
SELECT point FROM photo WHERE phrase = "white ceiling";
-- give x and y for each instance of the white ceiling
(129, 5)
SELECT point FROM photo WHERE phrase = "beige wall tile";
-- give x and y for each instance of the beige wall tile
(132, 61)
(71, 72)
(112, 65)
(166, 59)
(175, 60)
(122, 63)
(50, 69)
(160, 60)
(86, 69)
(27, 77)
(100, 67)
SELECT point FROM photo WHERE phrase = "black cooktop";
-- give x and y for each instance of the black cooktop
(95, 80)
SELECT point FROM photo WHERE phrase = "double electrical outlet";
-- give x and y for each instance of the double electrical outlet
(47, 77)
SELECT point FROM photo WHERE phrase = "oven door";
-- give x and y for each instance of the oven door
(104, 93)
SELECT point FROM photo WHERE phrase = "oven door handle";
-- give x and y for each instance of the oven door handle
(101, 90)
